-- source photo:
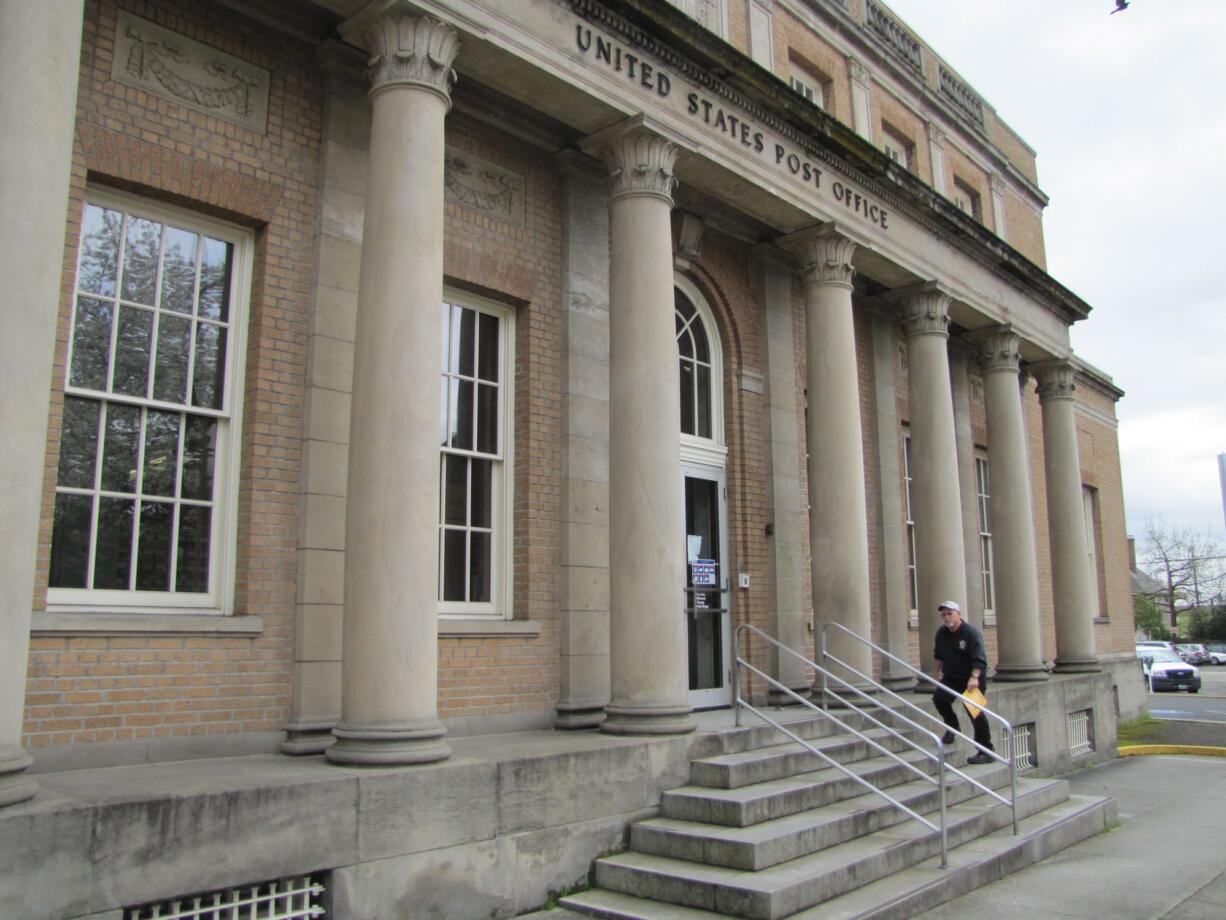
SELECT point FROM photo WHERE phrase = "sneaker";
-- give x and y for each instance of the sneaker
(947, 738)
(980, 757)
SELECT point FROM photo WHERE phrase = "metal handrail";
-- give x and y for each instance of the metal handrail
(1011, 760)
(741, 703)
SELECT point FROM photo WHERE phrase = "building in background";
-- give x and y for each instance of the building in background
(383, 374)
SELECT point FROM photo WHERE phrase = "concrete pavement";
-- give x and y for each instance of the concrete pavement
(1165, 859)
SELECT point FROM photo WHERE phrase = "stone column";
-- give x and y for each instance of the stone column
(936, 154)
(584, 658)
(40, 51)
(961, 355)
(773, 274)
(838, 521)
(861, 99)
(939, 547)
(648, 672)
(1073, 581)
(1019, 649)
(389, 673)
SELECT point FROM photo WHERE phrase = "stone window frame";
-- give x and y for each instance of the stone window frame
(808, 82)
(967, 199)
(500, 607)
(1091, 515)
(897, 146)
(86, 608)
(983, 520)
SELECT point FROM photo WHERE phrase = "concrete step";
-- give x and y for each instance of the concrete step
(732, 771)
(754, 734)
(915, 889)
(986, 859)
(777, 798)
(801, 883)
(781, 839)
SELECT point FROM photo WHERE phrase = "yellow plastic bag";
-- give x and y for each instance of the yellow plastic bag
(977, 697)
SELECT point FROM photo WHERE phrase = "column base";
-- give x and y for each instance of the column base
(902, 683)
(578, 716)
(303, 740)
(1017, 673)
(15, 785)
(642, 720)
(1089, 665)
(776, 697)
(832, 702)
(378, 745)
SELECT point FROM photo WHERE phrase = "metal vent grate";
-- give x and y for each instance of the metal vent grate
(1023, 747)
(282, 899)
(1080, 734)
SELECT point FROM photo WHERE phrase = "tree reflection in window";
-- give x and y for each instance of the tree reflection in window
(145, 396)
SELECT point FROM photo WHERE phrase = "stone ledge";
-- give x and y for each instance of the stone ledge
(49, 623)
(463, 629)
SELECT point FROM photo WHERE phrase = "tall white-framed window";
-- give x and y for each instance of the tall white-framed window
(476, 420)
(912, 578)
(146, 483)
(983, 514)
(1089, 504)
(700, 365)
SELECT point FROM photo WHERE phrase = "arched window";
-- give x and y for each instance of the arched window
(701, 371)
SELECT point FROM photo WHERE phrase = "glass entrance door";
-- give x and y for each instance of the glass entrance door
(707, 588)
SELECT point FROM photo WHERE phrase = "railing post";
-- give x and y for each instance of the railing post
(821, 658)
(736, 676)
(941, 799)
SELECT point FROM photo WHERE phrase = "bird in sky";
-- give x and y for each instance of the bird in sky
(1120, 6)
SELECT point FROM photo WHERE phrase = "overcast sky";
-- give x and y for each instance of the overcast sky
(1127, 116)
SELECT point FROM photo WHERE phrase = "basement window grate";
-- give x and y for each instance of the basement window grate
(1023, 747)
(294, 898)
(1080, 733)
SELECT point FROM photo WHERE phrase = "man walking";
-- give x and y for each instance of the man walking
(962, 664)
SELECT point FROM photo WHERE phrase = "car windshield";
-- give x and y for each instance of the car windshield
(1159, 654)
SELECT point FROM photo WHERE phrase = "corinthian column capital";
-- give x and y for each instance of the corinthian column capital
(406, 48)
(999, 349)
(925, 310)
(640, 159)
(1055, 378)
(825, 255)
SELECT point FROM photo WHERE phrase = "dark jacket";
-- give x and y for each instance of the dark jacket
(960, 651)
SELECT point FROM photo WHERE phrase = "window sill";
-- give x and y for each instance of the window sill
(47, 623)
(1102, 621)
(467, 629)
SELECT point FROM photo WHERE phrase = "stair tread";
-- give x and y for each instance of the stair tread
(804, 867)
(815, 817)
(790, 747)
(629, 906)
(927, 876)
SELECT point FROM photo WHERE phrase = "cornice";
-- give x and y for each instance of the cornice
(820, 136)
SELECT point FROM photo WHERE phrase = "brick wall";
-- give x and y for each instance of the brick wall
(117, 688)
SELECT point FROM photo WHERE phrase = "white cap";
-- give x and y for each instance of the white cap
(949, 605)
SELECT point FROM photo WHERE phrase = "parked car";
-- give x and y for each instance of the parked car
(1217, 654)
(1164, 670)
(1193, 653)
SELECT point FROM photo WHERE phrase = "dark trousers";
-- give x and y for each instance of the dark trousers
(945, 702)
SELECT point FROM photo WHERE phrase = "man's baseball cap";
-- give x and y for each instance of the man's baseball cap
(949, 605)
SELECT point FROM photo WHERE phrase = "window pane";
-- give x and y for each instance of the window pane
(687, 397)
(132, 351)
(480, 563)
(215, 267)
(487, 419)
(455, 490)
(70, 541)
(161, 454)
(199, 456)
(113, 555)
(487, 360)
(451, 341)
(685, 344)
(702, 408)
(468, 342)
(78, 443)
(91, 344)
(179, 270)
(683, 305)
(170, 376)
(462, 420)
(482, 493)
(99, 259)
(140, 260)
(119, 448)
(702, 351)
(453, 565)
(153, 558)
(192, 568)
(444, 427)
(208, 381)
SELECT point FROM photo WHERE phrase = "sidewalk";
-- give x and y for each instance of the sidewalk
(1166, 858)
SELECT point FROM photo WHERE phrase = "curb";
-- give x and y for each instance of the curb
(1202, 750)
